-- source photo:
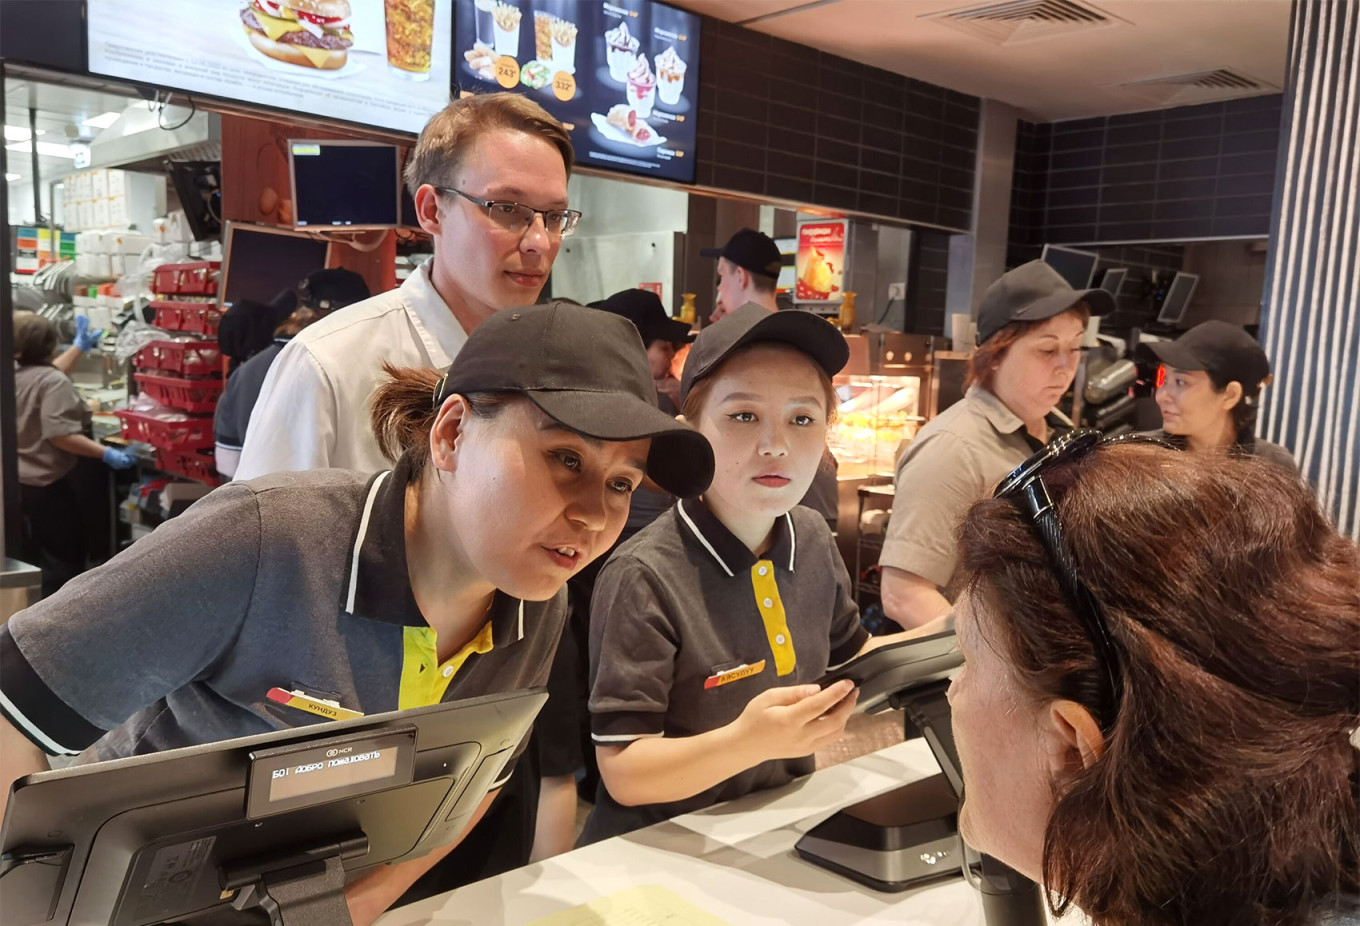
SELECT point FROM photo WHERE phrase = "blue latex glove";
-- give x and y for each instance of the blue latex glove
(86, 339)
(119, 459)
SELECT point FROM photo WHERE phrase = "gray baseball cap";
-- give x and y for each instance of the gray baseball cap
(1033, 292)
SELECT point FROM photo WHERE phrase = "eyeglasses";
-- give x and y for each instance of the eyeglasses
(1025, 488)
(517, 217)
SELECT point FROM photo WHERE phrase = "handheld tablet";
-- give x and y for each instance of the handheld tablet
(881, 673)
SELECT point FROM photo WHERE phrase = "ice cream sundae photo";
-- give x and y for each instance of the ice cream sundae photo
(670, 76)
(641, 87)
(621, 48)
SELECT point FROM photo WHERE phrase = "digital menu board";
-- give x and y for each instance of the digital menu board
(622, 75)
(384, 63)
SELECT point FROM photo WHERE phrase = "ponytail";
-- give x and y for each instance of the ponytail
(404, 412)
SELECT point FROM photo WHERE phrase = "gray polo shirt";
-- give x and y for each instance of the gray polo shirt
(687, 625)
(296, 581)
(48, 406)
(957, 458)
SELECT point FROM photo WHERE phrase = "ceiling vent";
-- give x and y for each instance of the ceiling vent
(1017, 21)
(1199, 87)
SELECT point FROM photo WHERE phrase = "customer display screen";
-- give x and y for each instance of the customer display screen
(293, 777)
(262, 261)
(381, 63)
(345, 184)
(622, 75)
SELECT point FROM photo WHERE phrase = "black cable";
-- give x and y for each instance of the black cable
(160, 113)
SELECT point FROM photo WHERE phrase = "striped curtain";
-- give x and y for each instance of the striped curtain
(1309, 316)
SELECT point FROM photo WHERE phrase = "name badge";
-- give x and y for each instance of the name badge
(735, 674)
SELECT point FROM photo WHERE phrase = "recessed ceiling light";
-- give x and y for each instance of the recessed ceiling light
(50, 149)
(10, 178)
(18, 133)
(103, 120)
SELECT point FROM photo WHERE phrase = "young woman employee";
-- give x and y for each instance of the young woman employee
(438, 580)
(1030, 328)
(710, 628)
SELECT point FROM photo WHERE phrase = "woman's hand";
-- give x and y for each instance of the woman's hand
(787, 723)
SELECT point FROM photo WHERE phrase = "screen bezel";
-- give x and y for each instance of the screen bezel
(1165, 316)
(1058, 248)
(343, 143)
(1117, 275)
(264, 762)
(228, 233)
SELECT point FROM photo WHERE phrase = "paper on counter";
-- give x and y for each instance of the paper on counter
(810, 800)
(647, 905)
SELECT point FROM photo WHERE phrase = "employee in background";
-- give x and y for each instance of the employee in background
(1183, 749)
(56, 491)
(1209, 391)
(318, 295)
(489, 180)
(84, 342)
(748, 271)
(438, 580)
(1030, 328)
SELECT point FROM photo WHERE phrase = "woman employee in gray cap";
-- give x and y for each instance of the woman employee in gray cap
(439, 580)
(1209, 390)
(1030, 328)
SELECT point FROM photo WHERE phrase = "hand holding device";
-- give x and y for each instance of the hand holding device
(795, 721)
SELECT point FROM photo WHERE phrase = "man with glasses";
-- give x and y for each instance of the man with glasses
(489, 180)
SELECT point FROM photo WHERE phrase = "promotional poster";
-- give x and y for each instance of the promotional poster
(821, 260)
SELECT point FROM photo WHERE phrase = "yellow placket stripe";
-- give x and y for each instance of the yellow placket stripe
(772, 613)
(423, 679)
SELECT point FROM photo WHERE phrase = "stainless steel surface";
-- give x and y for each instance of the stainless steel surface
(20, 586)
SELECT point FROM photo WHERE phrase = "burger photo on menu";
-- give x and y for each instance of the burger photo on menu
(304, 33)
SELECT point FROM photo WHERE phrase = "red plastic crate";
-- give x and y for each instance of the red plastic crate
(196, 317)
(190, 395)
(198, 278)
(180, 433)
(192, 358)
(190, 464)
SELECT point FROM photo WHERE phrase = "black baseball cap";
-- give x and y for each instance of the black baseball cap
(753, 250)
(332, 288)
(1216, 347)
(587, 370)
(643, 308)
(1034, 292)
(751, 324)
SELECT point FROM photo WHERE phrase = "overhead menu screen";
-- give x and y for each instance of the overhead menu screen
(623, 76)
(382, 63)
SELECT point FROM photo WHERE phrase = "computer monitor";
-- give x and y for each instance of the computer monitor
(1177, 298)
(262, 261)
(343, 184)
(1076, 267)
(1113, 279)
(276, 820)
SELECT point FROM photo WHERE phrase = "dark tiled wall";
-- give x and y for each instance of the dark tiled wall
(787, 121)
(1165, 175)
(928, 283)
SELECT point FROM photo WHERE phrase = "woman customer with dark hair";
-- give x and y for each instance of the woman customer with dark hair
(1159, 722)
(1030, 328)
(439, 580)
(52, 439)
(1209, 391)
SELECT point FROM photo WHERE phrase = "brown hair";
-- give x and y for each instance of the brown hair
(446, 138)
(983, 360)
(1228, 791)
(403, 411)
(35, 339)
(698, 392)
(294, 323)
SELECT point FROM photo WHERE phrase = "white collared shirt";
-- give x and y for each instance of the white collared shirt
(313, 409)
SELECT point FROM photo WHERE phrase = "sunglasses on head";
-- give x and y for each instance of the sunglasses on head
(1026, 490)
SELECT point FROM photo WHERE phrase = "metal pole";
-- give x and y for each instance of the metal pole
(33, 157)
(9, 429)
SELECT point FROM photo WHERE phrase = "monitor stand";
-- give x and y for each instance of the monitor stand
(305, 887)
